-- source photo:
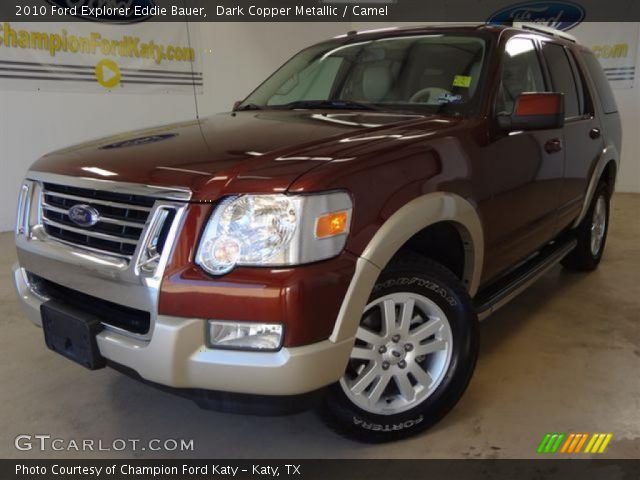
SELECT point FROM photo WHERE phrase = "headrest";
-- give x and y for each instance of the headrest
(376, 82)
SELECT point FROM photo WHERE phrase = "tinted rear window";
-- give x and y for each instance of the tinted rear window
(600, 81)
(562, 77)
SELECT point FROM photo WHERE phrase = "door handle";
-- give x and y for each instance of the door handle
(594, 133)
(552, 146)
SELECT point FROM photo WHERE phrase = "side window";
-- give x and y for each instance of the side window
(521, 73)
(584, 98)
(562, 77)
(600, 80)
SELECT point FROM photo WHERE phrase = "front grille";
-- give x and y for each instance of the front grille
(126, 318)
(122, 218)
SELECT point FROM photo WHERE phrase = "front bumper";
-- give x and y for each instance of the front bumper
(176, 356)
(171, 349)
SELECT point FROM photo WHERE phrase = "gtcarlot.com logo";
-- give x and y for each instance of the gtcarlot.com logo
(45, 442)
(574, 443)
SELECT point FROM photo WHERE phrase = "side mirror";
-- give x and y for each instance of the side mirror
(535, 111)
(236, 104)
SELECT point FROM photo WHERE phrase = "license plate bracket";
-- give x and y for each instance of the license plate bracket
(72, 333)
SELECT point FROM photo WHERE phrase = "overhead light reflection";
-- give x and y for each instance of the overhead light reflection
(99, 171)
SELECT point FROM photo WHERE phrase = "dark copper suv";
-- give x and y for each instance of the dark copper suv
(339, 234)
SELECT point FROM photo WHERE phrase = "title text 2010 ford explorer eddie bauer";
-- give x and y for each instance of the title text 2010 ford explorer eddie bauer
(341, 231)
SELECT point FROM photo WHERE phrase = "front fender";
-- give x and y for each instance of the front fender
(410, 219)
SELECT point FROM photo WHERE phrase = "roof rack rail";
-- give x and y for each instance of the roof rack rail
(537, 27)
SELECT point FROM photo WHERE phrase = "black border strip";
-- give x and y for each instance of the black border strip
(395, 11)
(369, 469)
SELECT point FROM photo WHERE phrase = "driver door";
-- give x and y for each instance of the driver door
(527, 168)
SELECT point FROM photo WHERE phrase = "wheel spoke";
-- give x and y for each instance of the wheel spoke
(430, 347)
(406, 315)
(378, 390)
(421, 376)
(361, 353)
(426, 330)
(405, 387)
(368, 336)
(389, 317)
(363, 380)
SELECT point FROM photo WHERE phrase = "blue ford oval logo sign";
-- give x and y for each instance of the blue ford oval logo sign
(108, 11)
(84, 215)
(558, 15)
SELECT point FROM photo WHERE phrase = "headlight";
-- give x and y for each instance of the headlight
(274, 230)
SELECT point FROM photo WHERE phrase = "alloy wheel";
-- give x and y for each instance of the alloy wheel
(402, 352)
(598, 225)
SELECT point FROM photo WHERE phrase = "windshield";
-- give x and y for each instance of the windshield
(437, 73)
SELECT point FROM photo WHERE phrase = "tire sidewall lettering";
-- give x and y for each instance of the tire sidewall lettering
(393, 427)
(419, 282)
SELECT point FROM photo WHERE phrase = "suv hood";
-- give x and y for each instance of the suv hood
(263, 151)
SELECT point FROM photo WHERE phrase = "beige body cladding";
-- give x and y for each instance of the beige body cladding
(401, 226)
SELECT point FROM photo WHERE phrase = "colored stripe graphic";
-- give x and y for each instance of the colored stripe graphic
(565, 447)
(575, 445)
(598, 443)
(543, 443)
(574, 442)
(550, 443)
(582, 442)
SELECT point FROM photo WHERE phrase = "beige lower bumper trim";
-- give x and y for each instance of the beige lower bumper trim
(176, 356)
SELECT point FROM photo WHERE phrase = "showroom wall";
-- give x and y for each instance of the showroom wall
(34, 123)
(244, 54)
(236, 56)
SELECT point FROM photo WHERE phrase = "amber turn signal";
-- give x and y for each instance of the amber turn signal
(332, 224)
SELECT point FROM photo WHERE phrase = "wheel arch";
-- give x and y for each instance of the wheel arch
(609, 175)
(606, 167)
(422, 212)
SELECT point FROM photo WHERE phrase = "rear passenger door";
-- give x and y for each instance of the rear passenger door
(582, 135)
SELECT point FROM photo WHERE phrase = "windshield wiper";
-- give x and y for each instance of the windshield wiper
(249, 106)
(328, 104)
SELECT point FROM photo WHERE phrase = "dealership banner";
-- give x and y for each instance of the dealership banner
(139, 58)
(616, 46)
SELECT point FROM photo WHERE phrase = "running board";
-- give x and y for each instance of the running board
(503, 291)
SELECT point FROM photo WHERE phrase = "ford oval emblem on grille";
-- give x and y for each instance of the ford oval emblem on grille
(84, 215)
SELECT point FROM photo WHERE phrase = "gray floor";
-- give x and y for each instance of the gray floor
(563, 357)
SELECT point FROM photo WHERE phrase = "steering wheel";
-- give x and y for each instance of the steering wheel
(429, 95)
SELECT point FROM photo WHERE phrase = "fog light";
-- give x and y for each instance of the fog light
(245, 336)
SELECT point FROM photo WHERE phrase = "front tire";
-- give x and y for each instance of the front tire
(591, 234)
(415, 351)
